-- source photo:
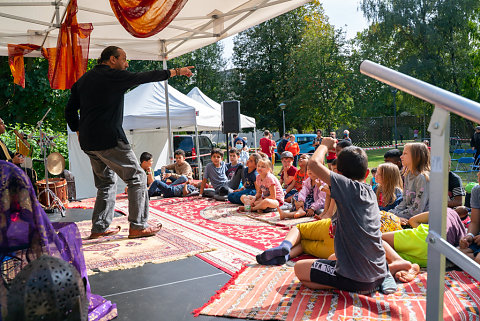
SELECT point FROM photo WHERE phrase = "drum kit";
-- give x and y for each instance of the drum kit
(52, 192)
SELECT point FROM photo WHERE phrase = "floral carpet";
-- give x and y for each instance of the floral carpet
(274, 293)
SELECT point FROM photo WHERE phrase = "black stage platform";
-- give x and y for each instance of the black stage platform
(155, 292)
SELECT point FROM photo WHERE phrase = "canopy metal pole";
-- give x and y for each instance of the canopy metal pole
(255, 137)
(197, 143)
(169, 126)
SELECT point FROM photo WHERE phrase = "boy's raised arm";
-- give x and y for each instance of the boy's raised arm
(316, 161)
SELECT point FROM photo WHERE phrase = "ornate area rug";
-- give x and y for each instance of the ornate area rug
(274, 293)
(273, 218)
(119, 252)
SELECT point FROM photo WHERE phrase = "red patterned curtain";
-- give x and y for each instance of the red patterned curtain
(145, 18)
(68, 62)
(15, 60)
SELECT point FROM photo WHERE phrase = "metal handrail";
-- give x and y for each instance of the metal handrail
(439, 128)
(452, 102)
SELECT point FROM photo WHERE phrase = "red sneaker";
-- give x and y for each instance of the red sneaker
(146, 232)
(106, 233)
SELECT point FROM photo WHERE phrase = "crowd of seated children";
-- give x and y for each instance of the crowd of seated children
(249, 177)
(178, 172)
(215, 172)
(269, 192)
(287, 173)
(389, 186)
(309, 201)
(295, 185)
(360, 264)
(160, 188)
(416, 163)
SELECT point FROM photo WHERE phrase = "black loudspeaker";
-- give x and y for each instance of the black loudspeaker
(230, 116)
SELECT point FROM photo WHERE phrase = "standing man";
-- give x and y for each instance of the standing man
(475, 143)
(98, 95)
(266, 145)
(317, 140)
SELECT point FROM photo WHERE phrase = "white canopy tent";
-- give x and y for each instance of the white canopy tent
(199, 23)
(197, 95)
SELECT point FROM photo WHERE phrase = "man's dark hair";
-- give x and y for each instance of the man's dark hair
(319, 130)
(343, 144)
(266, 133)
(235, 135)
(107, 53)
(393, 153)
(217, 151)
(145, 157)
(179, 152)
(352, 162)
(233, 150)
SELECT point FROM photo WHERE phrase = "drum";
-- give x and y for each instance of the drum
(57, 185)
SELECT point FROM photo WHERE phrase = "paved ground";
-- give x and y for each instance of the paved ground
(155, 292)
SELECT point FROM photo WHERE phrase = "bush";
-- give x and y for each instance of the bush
(60, 144)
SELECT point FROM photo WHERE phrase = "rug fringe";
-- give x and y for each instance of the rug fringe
(224, 288)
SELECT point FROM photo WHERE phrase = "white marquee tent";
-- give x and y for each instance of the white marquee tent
(198, 95)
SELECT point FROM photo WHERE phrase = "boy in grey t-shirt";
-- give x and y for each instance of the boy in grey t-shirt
(360, 264)
(216, 173)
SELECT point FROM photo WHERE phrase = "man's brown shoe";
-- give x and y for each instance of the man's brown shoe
(106, 233)
(146, 232)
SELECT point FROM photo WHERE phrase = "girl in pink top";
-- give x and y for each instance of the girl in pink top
(310, 200)
(269, 191)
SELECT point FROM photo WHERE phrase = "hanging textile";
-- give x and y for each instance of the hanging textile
(145, 18)
(15, 60)
(68, 61)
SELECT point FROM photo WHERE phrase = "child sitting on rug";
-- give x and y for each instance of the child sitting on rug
(182, 171)
(416, 163)
(288, 172)
(360, 264)
(249, 177)
(234, 165)
(389, 186)
(216, 173)
(160, 188)
(296, 185)
(269, 192)
(309, 201)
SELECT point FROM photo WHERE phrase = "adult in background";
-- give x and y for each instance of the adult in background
(273, 150)
(292, 147)
(98, 95)
(317, 140)
(283, 143)
(346, 135)
(266, 145)
(475, 143)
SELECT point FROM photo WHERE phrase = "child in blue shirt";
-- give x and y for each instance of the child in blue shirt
(234, 165)
(249, 176)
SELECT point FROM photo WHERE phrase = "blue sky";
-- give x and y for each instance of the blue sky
(341, 13)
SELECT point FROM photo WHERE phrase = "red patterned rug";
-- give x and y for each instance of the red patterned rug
(119, 252)
(274, 293)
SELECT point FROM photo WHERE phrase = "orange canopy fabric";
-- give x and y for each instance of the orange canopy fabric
(145, 18)
(15, 60)
(68, 61)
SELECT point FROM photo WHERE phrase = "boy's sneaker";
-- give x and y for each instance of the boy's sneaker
(389, 285)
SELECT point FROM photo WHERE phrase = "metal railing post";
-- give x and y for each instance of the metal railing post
(439, 129)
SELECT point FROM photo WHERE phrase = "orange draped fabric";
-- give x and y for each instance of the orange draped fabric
(145, 18)
(15, 60)
(68, 61)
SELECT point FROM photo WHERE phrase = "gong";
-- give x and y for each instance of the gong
(55, 163)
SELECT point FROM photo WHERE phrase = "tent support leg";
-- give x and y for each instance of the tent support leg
(197, 143)
(169, 126)
(255, 137)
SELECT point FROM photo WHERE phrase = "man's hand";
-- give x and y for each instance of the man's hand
(185, 71)
(466, 241)
(166, 175)
(329, 142)
(18, 159)
(310, 212)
